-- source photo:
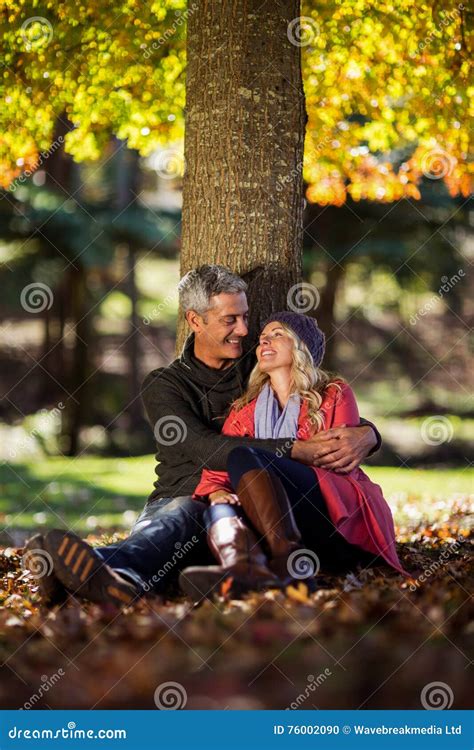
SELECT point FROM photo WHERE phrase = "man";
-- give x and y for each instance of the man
(186, 404)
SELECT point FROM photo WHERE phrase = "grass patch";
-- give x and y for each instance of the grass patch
(93, 493)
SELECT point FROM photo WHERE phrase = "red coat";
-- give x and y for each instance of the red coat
(355, 504)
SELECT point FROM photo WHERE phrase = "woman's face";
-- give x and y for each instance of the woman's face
(275, 348)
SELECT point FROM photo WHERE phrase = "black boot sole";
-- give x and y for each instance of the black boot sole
(82, 571)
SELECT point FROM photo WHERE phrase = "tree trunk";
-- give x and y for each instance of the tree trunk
(127, 190)
(245, 120)
(61, 172)
(78, 374)
(325, 312)
(134, 407)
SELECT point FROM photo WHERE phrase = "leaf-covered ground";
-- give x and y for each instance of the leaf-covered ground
(369, 639)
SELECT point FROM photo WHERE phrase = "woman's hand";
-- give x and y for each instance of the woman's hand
(222, 496)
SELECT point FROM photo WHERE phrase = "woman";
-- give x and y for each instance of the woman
(343, 518)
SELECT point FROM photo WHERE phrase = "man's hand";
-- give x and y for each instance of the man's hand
(339, 449)
(223, 496)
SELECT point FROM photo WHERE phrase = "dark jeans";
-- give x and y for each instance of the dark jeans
(308, 504)
(168, 536)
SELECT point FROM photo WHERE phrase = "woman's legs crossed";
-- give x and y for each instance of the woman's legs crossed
(308, 504)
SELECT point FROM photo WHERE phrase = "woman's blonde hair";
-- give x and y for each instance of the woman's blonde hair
(306, 380)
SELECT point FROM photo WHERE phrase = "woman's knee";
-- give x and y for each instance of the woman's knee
(241, 460)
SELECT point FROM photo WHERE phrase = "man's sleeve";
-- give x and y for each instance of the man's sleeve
(177, 429)
(378, 445)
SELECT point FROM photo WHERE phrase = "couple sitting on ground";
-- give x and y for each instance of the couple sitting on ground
(259, 480)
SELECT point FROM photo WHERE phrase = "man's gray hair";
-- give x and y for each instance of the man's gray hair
(198, 286)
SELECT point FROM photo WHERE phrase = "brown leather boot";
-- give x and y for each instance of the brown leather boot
(241, 558)
(266, 505)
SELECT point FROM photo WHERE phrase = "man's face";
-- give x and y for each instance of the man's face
(221, 330)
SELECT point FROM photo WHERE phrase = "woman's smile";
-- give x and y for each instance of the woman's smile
(275, 348)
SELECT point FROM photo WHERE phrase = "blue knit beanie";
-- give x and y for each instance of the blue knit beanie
(306, 329)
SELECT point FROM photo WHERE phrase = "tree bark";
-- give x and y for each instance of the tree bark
(245, 120)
